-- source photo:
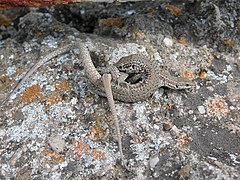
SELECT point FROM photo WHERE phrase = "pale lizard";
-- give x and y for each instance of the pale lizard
(123, 91)
(154, 76)
(139, 64)
(106, 78)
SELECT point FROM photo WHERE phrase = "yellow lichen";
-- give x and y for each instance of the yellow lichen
(63, 86)
(182, 40)
(80, 148)
(53, 99)
(138, 34)
(187, 74)
(96, 117)
(238, 25)
(202, 75)
(96, 132)
(201, 72)
(111, 22)
(53, 157)
(4, 81)
(4, 78)
(150, 10)
(174, 10)
(37, 35)
(32, 93)
(56, 97)
(97, 154)
(59, 27)
(5, 21)
(211, 57)
(169, 106)
(229, 42)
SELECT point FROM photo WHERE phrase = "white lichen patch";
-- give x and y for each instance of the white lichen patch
(159, 140)
(126, 50)
(11, 70)
(28, 47)
(222, 78)
(180, 57)
(34, 125)
(201, 109)
(168, 42)
(234, 158)
(141, 150)
(50, 41)
(62, 59)
(74, 101)
(50, 88)
(141, 114)
(61, 112)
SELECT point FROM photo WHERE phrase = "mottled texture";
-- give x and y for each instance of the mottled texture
(164, 136)
(154, 77)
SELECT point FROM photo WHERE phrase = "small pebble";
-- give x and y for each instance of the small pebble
(201, 109)
(218, 163)
(57, 143)
(168, 42)
(229, 68)
(153, 161)
(190, 111)
(175, 131)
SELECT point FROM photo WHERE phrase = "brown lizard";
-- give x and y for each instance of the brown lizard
(154, 77)
(122, 90)
(106, 78)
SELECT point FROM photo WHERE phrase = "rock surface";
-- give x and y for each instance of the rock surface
(172, 135)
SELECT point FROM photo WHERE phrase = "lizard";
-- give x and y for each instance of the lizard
(106, 79)
(139, 64)
(123, 91)
(154, 77)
